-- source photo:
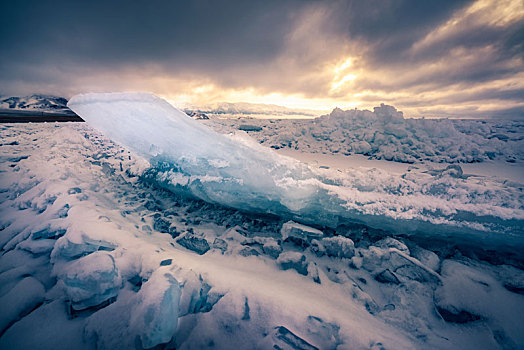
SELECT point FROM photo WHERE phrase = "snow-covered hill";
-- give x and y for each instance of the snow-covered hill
(35, 103)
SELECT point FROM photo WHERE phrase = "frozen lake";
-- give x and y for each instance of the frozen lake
(91, 247)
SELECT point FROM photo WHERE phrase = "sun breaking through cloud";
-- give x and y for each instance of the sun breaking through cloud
(432, 58)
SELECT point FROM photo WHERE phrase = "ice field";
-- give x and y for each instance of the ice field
(144, 228)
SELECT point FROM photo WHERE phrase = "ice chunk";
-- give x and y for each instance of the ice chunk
(390, 242)
(339, 246)
(299, 231)
(156, 315)
(453, 170)
(397, 263)
(249, 127)
(412, 269)
(272, 248)
(248, 251)
(161, 225)
(317, 248)
(220, 244)
(77, 243)
(361, 147)
(196, 159)
(293, 260)
(197, 296)
(48, 233)
(40, 246)
(196, 244)
(426, 257)
(91, 280)
(166, 262)
(141, 320)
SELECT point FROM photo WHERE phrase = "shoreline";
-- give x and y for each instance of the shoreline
(20, 116)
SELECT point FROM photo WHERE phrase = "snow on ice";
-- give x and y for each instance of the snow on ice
(96, 253)
(187, 156)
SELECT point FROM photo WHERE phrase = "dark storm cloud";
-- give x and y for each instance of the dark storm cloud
(390, 27)
(209, 33)
(289, 47)
(391, 30)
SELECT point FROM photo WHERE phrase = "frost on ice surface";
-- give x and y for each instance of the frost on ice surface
(188, 157)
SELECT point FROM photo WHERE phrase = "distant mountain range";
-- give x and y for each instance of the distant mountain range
(253, 110)
(56, 104)
(35, 102)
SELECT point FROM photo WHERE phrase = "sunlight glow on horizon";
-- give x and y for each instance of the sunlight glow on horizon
(198, 97)
(340, 75)
(319, 70)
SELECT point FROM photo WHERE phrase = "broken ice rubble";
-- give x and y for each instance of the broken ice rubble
(91, 280)
(384, 133)
(188, 157)
(298, 231)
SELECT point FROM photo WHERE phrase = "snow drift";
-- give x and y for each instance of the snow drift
(235, 171)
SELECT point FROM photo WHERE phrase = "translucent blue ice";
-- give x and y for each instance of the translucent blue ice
(188, 157)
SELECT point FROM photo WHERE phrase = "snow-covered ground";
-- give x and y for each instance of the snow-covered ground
(95, 253)
(497, 170)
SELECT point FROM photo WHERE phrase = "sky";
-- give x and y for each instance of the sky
(442, 58)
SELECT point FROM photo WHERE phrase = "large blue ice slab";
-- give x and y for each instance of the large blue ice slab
(212, 166)
(237, 172)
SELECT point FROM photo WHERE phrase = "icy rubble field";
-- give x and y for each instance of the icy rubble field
(96, 255)
(233, 170)
(386, 134)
